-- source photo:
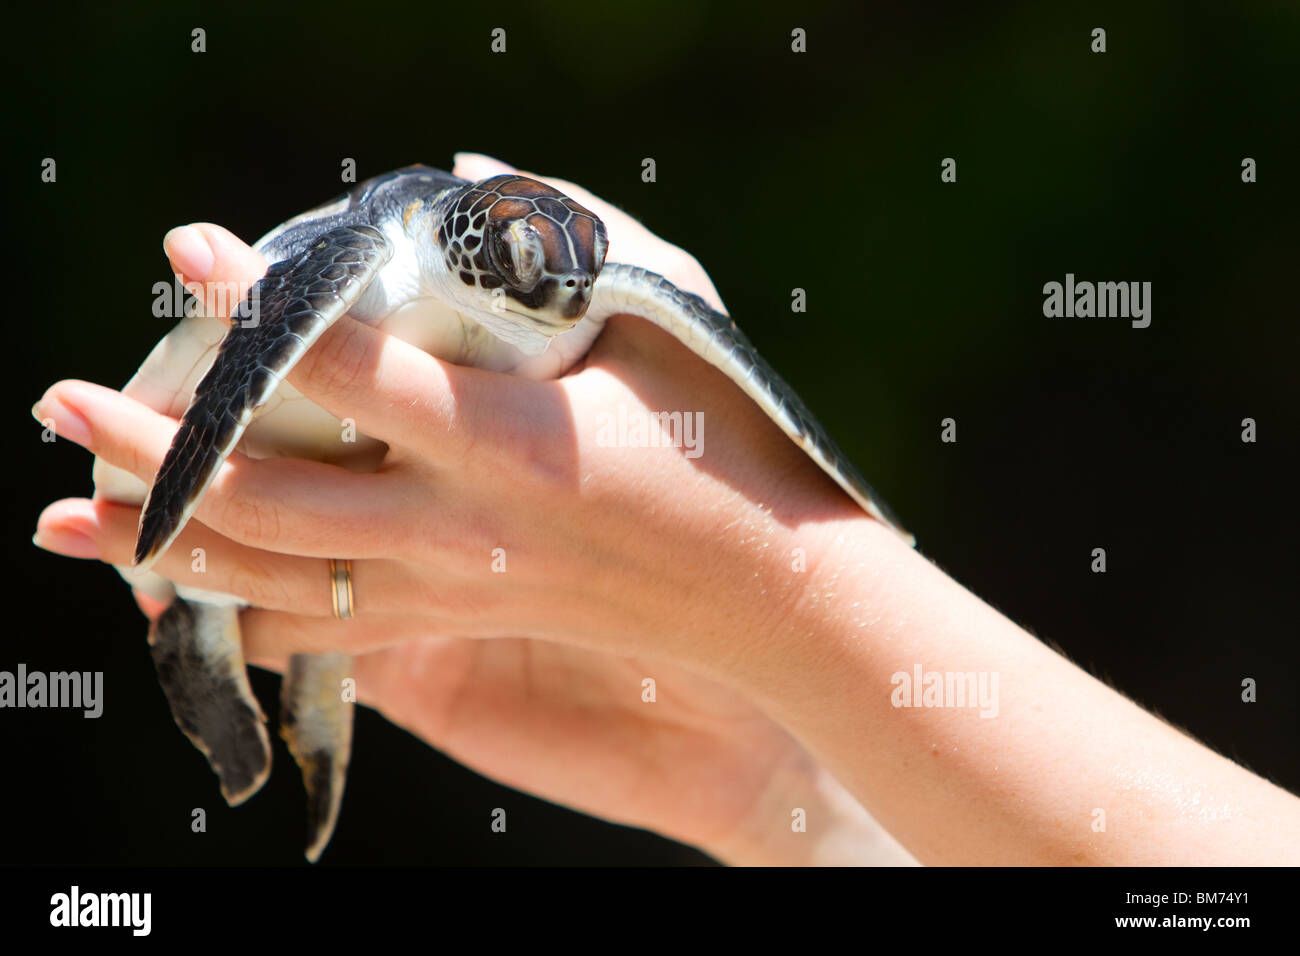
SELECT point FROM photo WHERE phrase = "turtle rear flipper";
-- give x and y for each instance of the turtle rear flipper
(316, 722)
(200, 665)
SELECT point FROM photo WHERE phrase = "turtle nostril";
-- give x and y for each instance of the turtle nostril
(578, 279)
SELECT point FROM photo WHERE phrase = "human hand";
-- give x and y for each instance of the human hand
(533, 676)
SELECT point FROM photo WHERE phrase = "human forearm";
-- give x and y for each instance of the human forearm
(1063, 754)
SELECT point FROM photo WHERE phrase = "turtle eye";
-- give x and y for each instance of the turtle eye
(522, 256)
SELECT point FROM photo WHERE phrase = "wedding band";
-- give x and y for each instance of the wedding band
(341, 583)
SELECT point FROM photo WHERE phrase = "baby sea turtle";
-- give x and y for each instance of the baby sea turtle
(506, 274)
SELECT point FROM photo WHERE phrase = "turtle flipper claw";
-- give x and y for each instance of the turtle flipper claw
(316, 722)
(200, 665)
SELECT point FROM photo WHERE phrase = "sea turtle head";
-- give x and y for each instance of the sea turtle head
(522, 257)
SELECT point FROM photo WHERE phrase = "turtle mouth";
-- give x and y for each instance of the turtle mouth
(540, 324)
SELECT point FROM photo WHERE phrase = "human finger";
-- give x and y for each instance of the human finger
(204, 560)
(290, 505)
(213, 263)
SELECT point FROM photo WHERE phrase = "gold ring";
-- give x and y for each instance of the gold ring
(341, 583)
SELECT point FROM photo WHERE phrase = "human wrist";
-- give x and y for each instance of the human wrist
(830, 590)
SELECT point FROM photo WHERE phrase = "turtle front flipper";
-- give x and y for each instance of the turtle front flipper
(200, 664)
(711, 335)
(316, 722)
(286, 311)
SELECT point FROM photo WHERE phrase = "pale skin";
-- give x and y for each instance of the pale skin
(773, 685)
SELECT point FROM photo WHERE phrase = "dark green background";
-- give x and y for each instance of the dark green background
(819, 171)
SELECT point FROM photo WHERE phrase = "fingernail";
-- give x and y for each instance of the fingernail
(68, 422)
(74, 544)
(189, 252)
